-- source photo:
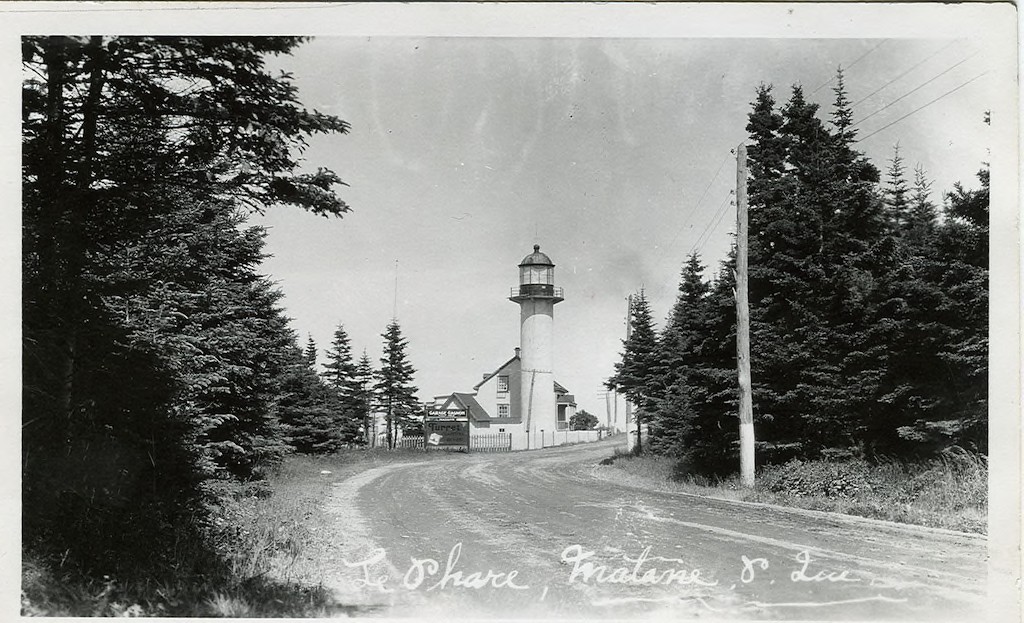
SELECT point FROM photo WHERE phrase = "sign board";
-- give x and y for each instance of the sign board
(448, 414)
(447, 427)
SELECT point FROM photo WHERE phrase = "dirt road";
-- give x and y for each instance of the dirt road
(542, 535)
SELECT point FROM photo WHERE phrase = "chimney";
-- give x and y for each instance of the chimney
(517, 351)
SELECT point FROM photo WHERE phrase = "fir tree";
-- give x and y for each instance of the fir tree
(921, 217)
(639, 375)
(153, 350)
(310, 352)
(680, 354)
(394, 389)
(306, 409)
(340, 374)
(897, 202)
(364, 399)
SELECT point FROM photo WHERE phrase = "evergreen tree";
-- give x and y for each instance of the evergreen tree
(897, 201)
(306, 408)
(364, 376)
(340, 374)
(921, 217)
(153, 351)
(710, 438)
(310, 352)
(394, 389)
(680, 354)
(639, 375)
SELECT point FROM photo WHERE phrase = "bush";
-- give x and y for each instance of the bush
(817, 478)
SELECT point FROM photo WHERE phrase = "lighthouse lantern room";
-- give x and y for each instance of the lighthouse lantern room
(537, 295)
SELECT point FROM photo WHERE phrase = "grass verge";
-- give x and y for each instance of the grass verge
(257, 558)
(949, 492)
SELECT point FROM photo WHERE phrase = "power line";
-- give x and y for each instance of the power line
(916, 65)
(712, 225)
(696, 205)
(921, 107)
(859, 59)
(917, 88)
(686, 218)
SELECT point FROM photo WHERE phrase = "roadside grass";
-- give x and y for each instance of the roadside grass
(948, 492)
(257, 558)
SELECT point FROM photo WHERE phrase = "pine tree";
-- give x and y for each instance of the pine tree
(310, 352)
(153, 350)
(340, 374)
(921, 217)
(306, 409)
(394, 389)
(364, 398)
(680, 354)
(639, 375)
(709, 441)
(897, 202)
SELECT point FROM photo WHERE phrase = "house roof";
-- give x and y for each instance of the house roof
(559, 389)
(468, 401)
(491, 375)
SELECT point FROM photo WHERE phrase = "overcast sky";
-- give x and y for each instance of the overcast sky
(612, 154)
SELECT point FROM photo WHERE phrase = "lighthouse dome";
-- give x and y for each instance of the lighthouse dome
(536, 258)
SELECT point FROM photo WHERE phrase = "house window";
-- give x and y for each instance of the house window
(502, 410)
(502, 384)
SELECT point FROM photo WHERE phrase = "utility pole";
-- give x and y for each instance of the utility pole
(746, 410)
(615, 410)
(631, 443)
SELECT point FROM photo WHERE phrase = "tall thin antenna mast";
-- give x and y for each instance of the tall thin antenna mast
(394, 310)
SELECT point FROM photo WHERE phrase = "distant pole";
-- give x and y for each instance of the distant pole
(615, 410)
(394, 309)
(631, 443)
(746, 410)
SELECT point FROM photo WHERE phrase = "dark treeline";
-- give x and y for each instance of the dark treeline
(159, 371)
(868, 310)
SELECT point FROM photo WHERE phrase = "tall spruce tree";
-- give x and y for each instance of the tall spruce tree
(310, 352)
(922, 214)
(306, 408)
(896, 193)
(152, 348)
(340, 374)
(679, 344)
(711, 438)
(364, 400)
(640, 374)
(394, 389)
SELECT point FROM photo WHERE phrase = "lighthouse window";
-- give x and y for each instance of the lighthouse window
(502, 384)
(537, 275)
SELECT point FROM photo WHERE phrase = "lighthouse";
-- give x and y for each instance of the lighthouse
(536, 295)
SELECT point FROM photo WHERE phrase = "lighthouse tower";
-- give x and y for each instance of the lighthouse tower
(537, 295)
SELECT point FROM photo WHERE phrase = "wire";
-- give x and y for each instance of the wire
(916, 65)
(712, 226)
(917, 88)
(696, 205)
(859, 59)
(921, 107)
(686, 218)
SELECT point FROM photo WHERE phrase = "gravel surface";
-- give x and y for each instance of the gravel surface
(547, 534)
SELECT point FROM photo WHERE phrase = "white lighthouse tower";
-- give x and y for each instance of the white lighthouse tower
(537, 295)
